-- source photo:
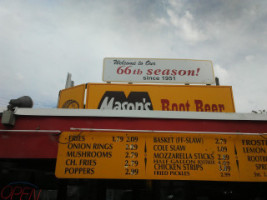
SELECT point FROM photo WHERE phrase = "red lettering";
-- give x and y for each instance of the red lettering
(165, 104)
(187, 105)
(221, 107)
(4, 191)
(174, 72)
(207, 107)
(19, 191)
(120, 70)
(33, 193)
(149, 72)
(181, 107)
(127, 70)
(139, 72)
(23, 193)
(181, 72)
(198, 69)
(214, 108)
(10, 192)
(157, 71)
(191, 73)
(37, 195)
(166, 72)
(174, 107)
(199, 105)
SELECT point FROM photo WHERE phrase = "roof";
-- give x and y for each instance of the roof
(139, 114)
(36, 131)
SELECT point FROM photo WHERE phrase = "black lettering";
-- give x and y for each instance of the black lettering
(79, 170)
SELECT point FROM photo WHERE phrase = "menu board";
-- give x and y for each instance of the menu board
(162, 156)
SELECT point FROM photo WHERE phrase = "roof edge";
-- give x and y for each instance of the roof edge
(139, 114)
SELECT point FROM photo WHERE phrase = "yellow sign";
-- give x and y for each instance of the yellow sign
(162, 156)
(72, 97)
(160, 97)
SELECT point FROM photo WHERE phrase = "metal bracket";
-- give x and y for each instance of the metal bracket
(8, 118)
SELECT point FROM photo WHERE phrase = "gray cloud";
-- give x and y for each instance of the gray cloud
(43, 40)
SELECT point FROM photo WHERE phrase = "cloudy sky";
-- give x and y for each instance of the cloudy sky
(41, 41)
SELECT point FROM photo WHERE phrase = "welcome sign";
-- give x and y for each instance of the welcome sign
(158, 70)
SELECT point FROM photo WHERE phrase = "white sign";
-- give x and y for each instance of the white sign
(148, 70)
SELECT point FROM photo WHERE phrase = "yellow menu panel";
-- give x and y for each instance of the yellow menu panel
(162, 156)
